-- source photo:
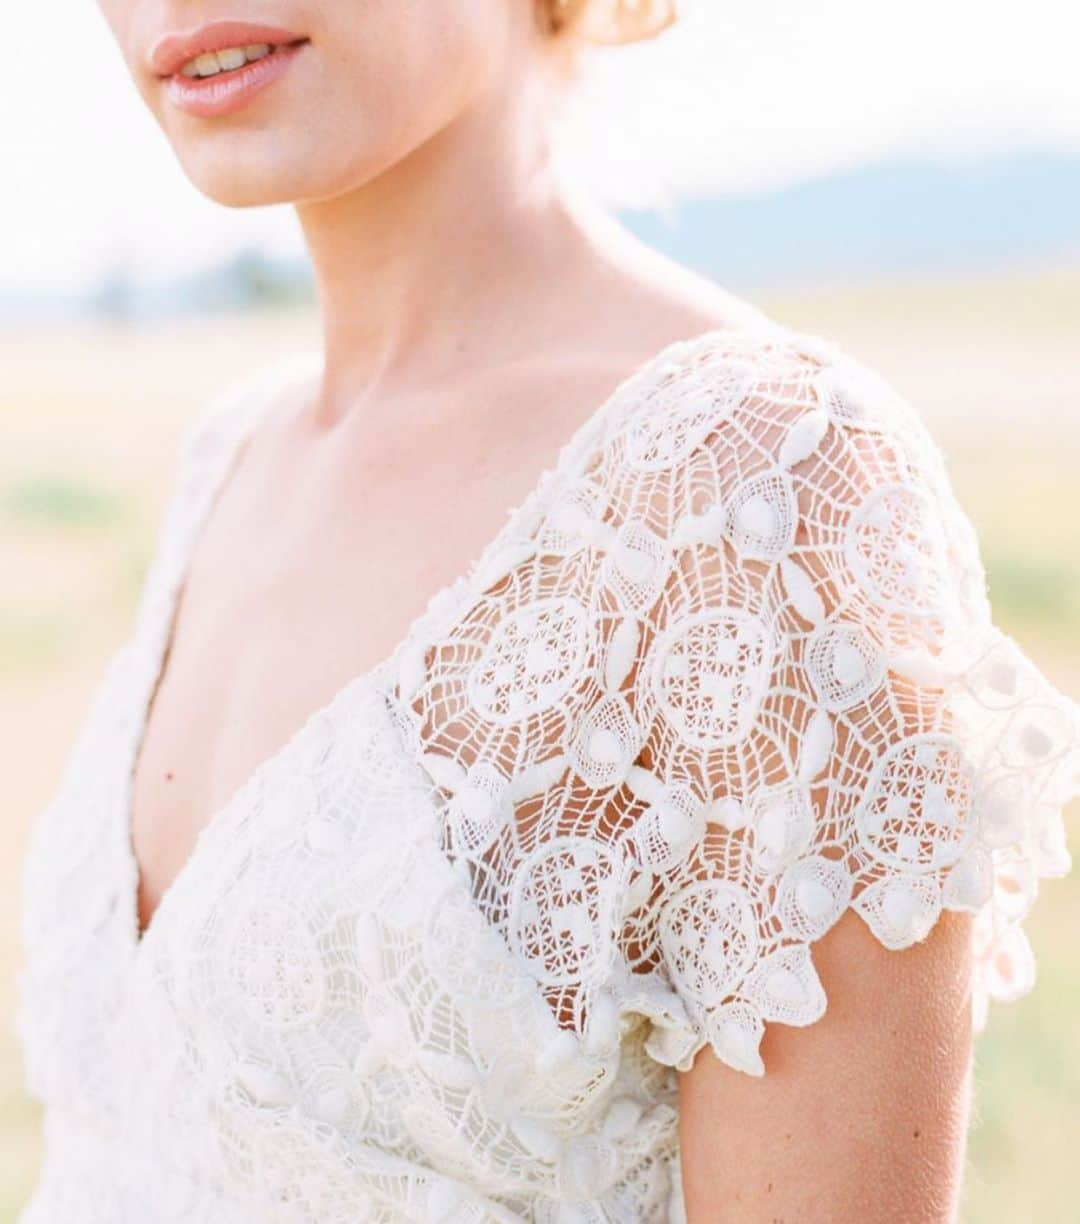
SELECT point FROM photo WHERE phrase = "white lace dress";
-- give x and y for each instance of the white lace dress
(727, 671)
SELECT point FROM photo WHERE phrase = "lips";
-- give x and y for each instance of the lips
(171, 52)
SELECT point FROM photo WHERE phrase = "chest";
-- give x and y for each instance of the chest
(312, 564)
(320, 549)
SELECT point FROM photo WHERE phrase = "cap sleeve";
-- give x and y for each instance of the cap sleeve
(729, 671)
(830, 718)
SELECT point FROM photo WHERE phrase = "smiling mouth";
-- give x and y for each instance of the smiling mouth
(229, 60)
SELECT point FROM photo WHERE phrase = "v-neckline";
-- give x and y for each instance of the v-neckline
(159, 636)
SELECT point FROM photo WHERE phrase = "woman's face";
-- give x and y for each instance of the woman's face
(373, 80)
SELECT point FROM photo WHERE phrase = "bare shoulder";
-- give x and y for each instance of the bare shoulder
(616, 303)
(662, 299)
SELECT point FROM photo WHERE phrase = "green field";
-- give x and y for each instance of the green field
(90, 418)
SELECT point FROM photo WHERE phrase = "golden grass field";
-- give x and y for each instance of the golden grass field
(90, 419)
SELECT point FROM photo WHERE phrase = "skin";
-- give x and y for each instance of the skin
(474, 312)
(862, 1115)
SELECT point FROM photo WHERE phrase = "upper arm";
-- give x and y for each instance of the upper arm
(863, 1115)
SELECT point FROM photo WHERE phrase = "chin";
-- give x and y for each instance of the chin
(239, 173)
(238, 180)
(233, 188)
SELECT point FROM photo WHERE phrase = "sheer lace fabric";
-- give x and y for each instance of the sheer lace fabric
(728, 671)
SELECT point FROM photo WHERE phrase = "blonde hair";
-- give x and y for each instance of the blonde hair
(609, 21)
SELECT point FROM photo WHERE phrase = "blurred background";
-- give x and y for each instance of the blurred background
(902, 179)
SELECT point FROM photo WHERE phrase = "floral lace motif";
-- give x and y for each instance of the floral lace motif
(728, 671)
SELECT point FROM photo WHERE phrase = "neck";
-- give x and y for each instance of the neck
(416, 269)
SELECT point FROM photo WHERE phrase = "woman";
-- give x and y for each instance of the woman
(360, 902)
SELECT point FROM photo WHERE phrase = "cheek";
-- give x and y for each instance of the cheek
(377, 88)
(123, 17)
(410, 64)
(135, 25)
(114, 11)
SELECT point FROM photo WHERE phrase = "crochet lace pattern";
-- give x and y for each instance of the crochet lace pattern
(729, 670)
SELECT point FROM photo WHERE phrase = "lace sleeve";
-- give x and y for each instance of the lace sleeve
(832, 718)
(729, 671)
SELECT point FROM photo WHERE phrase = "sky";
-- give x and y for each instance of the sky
(741, 95)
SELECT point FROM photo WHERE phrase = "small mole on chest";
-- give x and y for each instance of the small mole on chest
(168, 775)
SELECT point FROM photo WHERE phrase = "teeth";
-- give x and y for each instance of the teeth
(226, 60)
(231, 57)
(204, 65)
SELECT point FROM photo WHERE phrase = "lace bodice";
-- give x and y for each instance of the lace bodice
(729, 670)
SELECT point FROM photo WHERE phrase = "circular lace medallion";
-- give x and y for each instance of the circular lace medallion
(917, 813)
(563, 908)
(533, 658)
(710, 673)
(894, 548)
(274, 965)
(709, 935)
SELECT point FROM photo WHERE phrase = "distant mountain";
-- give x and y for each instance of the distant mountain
(912, 216)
